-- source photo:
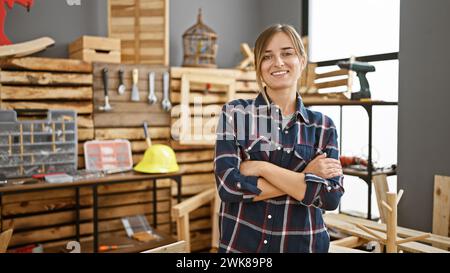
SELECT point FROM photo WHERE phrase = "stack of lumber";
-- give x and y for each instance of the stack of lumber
(143, 28)
(30, 83)
(48, 217)
(349, 225)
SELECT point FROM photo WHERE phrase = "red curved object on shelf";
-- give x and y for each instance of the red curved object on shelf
(10, 3)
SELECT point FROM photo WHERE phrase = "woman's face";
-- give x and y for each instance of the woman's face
(281, 67)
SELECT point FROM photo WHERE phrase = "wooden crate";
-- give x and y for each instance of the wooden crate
(48, 217)
(143, 28)
(95, 49)
(31, 83)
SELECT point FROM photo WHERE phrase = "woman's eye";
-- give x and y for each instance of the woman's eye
(267, 57)
(286, 54)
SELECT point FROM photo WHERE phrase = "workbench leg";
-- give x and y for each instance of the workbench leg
(155, 201)
(178, 180)
(1, 212)
(77, 214)
(95, 215)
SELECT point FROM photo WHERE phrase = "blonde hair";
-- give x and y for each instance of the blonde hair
(263, 40)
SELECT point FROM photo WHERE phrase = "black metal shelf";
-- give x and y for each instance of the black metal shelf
(367, 104)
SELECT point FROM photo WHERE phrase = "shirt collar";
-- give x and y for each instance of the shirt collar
(300, 107)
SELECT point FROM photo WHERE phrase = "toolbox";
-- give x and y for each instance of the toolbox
(108, 155)
(29, 147)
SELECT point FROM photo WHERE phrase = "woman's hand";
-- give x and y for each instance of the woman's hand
(251, 167)
(324, 167)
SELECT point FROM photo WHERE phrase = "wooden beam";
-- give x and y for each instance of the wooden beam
(44, 78)
(193, 203)
(43, 93)
(341, 249)
(46, 64)
(403, 232)
(350, 241)
(381, 188)
(441, 206)
(349, 228)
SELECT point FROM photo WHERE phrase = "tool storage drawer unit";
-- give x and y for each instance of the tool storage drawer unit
(38, 146)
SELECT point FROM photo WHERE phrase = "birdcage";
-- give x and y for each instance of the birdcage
(200, 45)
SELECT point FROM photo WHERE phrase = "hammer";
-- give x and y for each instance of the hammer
(107, 106)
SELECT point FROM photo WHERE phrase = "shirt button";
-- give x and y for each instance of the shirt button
(265, 242)
(288, 151)
(279, 128)
(279, 148)
(238, 185)
(286, 132)
(269, 216)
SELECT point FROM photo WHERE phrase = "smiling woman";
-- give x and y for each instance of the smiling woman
(276, 161)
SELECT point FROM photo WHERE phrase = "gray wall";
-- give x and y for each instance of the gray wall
(424, 112)
(55, 18)
(283, 12)
(235, 21)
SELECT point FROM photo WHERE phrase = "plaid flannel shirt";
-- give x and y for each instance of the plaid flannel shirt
(251, 130)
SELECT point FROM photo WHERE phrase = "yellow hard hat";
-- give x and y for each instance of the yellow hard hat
(158, 158)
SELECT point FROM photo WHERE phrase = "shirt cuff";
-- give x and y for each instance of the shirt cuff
(314, 184)
(249, 183)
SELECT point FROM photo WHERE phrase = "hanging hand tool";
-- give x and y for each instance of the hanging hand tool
(152, 99)
(361, 68)
(121, 88)
(107, 106)
(166, 100)
(135, 88)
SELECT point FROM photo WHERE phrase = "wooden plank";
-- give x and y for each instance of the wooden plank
(42, 93)
(341, 249)
(46, 64)
(195, 156)
(132, 133)
(82, 107)
(25, 48)
(381, 188)
(177, 72)
(175, 85)
(441, 206)
(111, 119)
(85, 121)
(85, 134)
(196, 167)
(329, 84)
(340, 72)
(44, 78)
(45, 205)
(185, 207)
(135, 186)
(346, 220)
(178, 247)
(349, 242)
(194, 189)
(5, 237)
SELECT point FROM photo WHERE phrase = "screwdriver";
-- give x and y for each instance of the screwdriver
(112, 247)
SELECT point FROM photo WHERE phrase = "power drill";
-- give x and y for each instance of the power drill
(361, 68)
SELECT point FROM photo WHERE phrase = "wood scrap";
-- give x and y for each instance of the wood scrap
(25, 48)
